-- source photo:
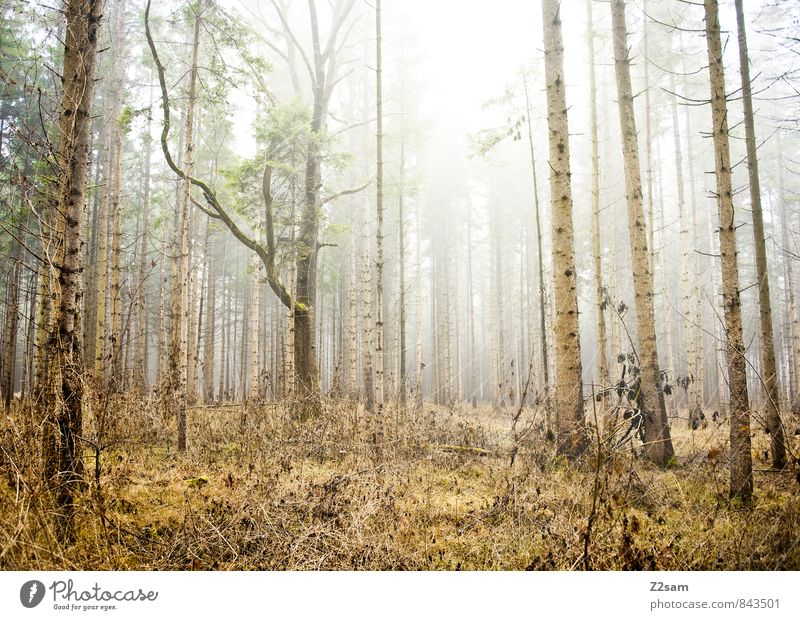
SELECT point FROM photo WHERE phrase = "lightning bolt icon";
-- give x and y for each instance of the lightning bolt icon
(32, 593)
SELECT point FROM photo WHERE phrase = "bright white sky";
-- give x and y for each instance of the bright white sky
(466, 51)
(472, 49)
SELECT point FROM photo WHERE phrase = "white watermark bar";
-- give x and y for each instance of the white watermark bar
(441, 595)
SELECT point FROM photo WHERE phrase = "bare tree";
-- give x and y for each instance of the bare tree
(380, 381)
(741, 465)
(80, 54)
(769, 370)
(658, 443)
(597, 255)
(572, 437)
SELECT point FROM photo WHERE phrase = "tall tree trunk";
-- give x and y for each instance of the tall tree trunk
(597, 247)
(80, 54)
(90, 293)
(352, 322)
(140, 361)
(472, 351)
(180, 289)
(101, 266)
(401, 246)
(496, 292)
(380, 386)
(29, 356)
(741, 466)
(118, 87)
(543, 305)
(366, 319)
(768, 367)
(224, 338)
(690, 382)
(10, 325)
(657, 441)
(648, 145)
(419, 366)
(790, 287)
(572, 437)
(210, 325)
(115, 333)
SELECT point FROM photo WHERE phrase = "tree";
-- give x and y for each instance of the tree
(572, 438)
(602, 362)
(769, 370)
(179, 335)
(657, 441)
(11, 323)
(543, 306)
(322, 68)
(380, 382)
(741, 466)
(80, 54)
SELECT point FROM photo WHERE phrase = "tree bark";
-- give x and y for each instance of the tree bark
(690, 381)
(543, 307)
(597, 247)
(80, 54)
(769, 370)
(10, 326)
(741, 466)
(380, 383)
(140, 361)
(178, 362)
(790, 295)
(657, 441)
(571, 436)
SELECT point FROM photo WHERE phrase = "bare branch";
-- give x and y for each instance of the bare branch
(345, 192)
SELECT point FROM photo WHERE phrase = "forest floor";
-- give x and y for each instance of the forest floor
(257, 490)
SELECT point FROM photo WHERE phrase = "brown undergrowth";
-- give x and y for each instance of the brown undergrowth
(257, 490)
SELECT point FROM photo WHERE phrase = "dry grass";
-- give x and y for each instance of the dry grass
(259, 491)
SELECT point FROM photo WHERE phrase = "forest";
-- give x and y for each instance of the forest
(383, 285)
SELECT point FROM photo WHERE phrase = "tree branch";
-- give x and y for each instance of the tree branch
(248, 241)
(345, 192)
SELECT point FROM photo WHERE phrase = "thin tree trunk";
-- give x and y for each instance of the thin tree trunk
(500, 379)
(741, 482)
(140, 361)
(366, 306)
(769, 371)
(223, 340)
(597, 249)
(657, 441)
(10, 325)
(100, 290)
(255, 316)
(380, 385)
(689, 381)
(419, 395)
(472, 352)
(352, 323)
(210, 326)
(180, 290)
(790, 286)
(401, 246)
(115, 333)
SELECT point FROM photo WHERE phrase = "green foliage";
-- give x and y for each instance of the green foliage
(285, 129)
(126, 118)
(338, 232)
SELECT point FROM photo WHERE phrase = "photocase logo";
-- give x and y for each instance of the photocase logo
(31, 593)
